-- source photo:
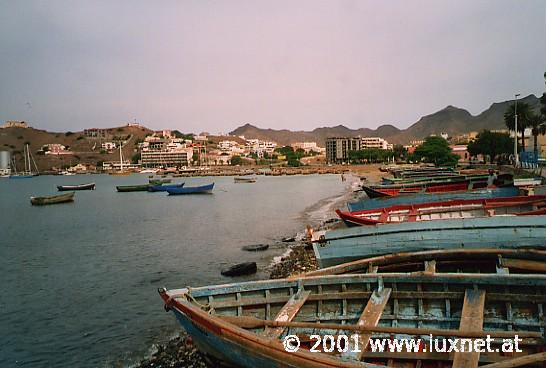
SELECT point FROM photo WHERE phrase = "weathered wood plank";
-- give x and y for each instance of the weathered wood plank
(288, 312)
(471, 320)
(523, 264)
(371, 316)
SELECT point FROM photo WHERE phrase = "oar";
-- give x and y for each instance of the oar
(253, 322)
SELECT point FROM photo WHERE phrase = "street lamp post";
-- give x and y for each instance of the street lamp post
(516, 160)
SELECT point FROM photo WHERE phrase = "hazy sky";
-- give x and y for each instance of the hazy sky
(214, 65)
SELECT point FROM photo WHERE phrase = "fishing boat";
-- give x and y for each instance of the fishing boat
(349, 244)
(61, 198)
(133, 188)
(459, 208)
(244, 180)
(446, 260)
(164, 188)
(436, 185)
(121, 172)
(27, 173)
(302, 321)
(417, 198)
(89, 186)
(203, 189)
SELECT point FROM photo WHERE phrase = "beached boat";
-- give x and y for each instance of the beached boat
(133, 188)
(459, 208)
(417, 198)
(345, 245)
(244, 180)
(446, 260)
(203, 189)
(61, 198)
(89, 186)
(164, 188)
(251, 324)
(435, 186)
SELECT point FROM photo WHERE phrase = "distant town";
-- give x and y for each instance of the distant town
(137, 147)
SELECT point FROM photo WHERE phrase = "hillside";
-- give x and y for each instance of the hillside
(86, 150)
(451, 120)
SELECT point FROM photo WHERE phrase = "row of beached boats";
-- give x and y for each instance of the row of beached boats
(463, 264)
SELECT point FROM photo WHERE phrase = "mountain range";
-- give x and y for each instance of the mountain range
(451, 120)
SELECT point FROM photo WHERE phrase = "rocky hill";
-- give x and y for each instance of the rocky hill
(451, 120)
(86, 150)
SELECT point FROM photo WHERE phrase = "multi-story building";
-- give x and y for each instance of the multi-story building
(307, 147)
(337, 148)
(167, 158)
(260, 147)
(374, 142)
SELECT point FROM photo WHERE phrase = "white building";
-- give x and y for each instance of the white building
(231, 147)
(260, 147)
(108, 146)
(308, 147)
(374, 142)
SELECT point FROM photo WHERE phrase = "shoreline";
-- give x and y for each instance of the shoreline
(298, 258)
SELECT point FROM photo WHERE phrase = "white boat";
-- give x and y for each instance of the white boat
(148, 171)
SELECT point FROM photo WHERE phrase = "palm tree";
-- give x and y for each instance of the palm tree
(537, 123)
(524, 112)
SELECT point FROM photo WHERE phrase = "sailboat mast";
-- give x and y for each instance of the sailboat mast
(27, 159)
(120, 157)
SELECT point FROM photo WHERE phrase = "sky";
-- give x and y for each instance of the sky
(215, 65)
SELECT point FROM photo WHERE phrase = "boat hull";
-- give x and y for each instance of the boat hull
(132, 188)
(211, 314)
(345, 245)
(370, 204)
(458, 208)
(204, 189)
(164, 188)
(63, 188)
(63, 198)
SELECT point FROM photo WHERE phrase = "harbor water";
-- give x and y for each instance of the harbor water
(79, 280)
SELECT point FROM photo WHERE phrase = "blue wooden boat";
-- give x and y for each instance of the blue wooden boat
(20, 176)
(203, 189)
(245, 324)
(345, 245)
(164, 188)
(373, 203)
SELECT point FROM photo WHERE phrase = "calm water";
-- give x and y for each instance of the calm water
(79, 280)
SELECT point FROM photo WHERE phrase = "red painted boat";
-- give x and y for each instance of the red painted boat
(442, 186)
(460, 208)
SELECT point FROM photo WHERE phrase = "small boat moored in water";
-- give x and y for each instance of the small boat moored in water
(61, 198)
(244, 180)
(203, 189)
(89, 186)
(164, 188)
(459, 208)
(133, 188)
(251, 324)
